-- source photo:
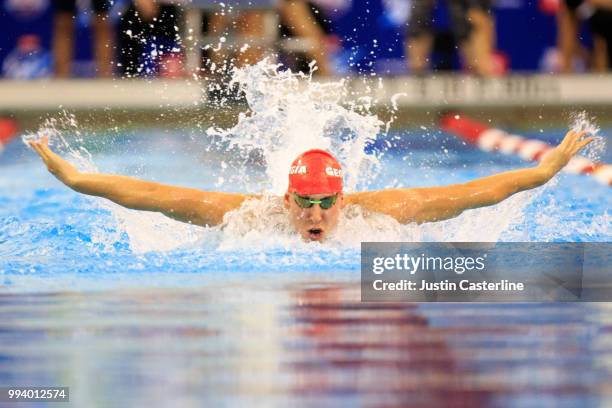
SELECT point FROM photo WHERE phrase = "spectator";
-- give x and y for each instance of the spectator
(28, 60)
(63, 37)
(298, 18)
(148, 37)
(472, 26)
(249, 26)
(598, 13)
(482, 36)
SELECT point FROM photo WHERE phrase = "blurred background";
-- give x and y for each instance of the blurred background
(129, 308)
(508, 60)
(102, 38)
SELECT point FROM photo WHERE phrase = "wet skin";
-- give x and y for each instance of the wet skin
(406, 205)
(314, 223)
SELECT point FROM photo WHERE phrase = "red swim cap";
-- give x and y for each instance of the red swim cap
(315, 172)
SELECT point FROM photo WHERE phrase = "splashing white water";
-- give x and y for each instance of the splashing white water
(289, 113)
(263, 224)
(581, 121)
(57, 130)
(146, 231)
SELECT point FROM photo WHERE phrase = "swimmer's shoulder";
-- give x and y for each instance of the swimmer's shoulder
(386, 196)
(399, 203)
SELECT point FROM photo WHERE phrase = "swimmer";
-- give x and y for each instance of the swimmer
(314, 199)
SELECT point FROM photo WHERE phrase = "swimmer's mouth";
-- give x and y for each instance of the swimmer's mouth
(315, 233)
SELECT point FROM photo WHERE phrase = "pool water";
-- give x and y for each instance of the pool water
(301, 343)
(47, 230)
(132, 309)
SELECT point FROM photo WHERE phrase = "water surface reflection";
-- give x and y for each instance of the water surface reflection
(311, 343)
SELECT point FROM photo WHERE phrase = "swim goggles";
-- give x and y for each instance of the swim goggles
(325, 203)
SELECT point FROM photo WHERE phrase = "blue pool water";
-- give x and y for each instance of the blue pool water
(48, 230)
(131, 309)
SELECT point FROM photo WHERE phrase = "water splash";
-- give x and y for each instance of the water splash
(486, 224)
(289, 114)
(146, 231)
(580, 121)
(66, 137)
(262, 224)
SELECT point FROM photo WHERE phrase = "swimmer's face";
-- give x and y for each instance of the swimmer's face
(314, 223)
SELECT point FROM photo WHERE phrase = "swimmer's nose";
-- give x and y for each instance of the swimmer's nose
(315, 213)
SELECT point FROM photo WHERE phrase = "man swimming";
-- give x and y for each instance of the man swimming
(314, 199)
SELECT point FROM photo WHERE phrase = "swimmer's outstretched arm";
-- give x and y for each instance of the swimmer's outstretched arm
(182, 204)
(439, 203)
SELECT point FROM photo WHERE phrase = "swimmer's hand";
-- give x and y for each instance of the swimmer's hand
(556, 159)
(60, 168)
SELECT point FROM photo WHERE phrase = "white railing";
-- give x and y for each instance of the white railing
(574, 92)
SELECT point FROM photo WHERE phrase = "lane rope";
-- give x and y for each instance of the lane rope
(490, 139)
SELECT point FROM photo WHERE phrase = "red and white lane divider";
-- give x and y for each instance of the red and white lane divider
(491, 139)
(8, 131)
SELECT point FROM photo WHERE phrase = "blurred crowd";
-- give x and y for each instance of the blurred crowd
(151, 38)
(598, 16)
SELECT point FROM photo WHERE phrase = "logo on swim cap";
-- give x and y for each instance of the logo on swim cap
(298, 170)
(315, 172)
(331, 171)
